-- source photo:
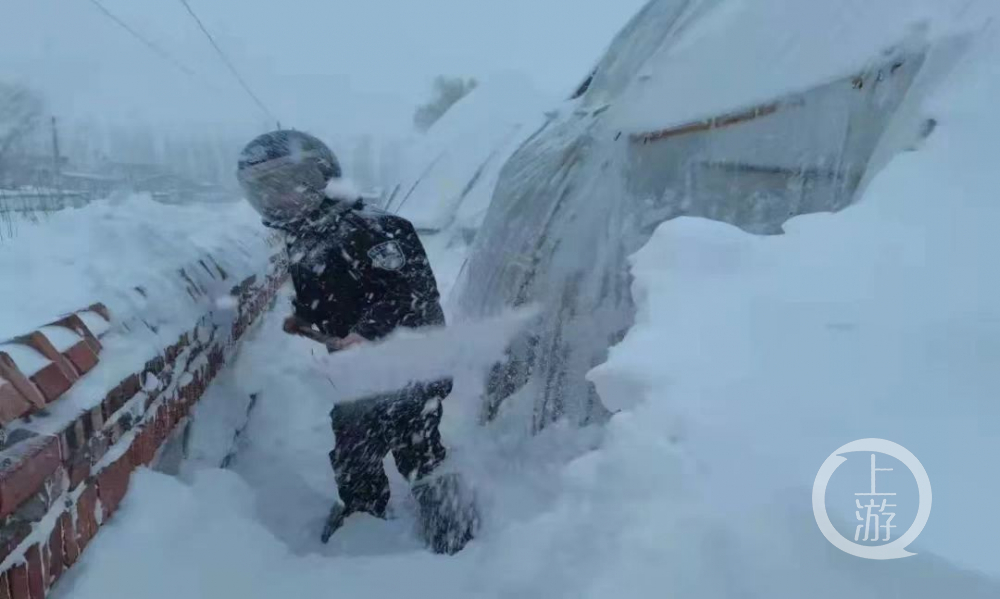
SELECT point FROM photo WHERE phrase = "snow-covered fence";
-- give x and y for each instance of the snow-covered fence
(39, 199)
(89, 398)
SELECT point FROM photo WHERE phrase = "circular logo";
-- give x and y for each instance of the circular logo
(894, 549)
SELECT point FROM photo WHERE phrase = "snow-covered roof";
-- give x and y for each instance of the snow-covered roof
(453, 168)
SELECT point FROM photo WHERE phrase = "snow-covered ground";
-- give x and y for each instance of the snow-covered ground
(656, 504)
(758, 357)
(252, 530)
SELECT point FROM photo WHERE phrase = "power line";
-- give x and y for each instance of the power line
(155, 48)
(227, 62)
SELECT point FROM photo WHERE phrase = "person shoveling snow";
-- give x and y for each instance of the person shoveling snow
(359, 274)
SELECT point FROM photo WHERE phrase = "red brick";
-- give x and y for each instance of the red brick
(55, 565)
(74, 323)
(18, 577)
(12, 534)
(53, 489)
(102, 310)
(150, 442)
(176, 413)
(112, 483)
(125, 391)
(131, 385)
(113, 432)
(64, 449)
(173, 416)
(78, 431)
(175, 350)
(82, 356)
(71, 550)
(42, 345)
(25, 468)
(97, 447)
(97, 418)
(13, 405)
(84, 428)
(86, 518)
(79, 470)
(46, 564)
(36, 576)
(52, 382)
(166, 423)
(156, 433)
(143, 447)
(70, 441)
(28, 390)
(5, 586)
(192, 393)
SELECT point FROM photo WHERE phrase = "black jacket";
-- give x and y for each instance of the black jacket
(358, 269)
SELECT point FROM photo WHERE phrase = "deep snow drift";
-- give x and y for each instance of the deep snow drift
(698, 108)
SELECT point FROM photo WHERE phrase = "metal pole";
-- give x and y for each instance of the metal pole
(56, 162)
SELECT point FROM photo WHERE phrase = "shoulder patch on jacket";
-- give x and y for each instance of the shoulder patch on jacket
(387, 256)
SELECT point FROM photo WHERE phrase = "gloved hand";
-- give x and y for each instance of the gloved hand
(293, 325)
(340, 344)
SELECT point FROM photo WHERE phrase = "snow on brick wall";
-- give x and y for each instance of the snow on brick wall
(95, 392)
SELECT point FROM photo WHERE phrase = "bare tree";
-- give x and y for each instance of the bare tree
(21, 111)
(447, 92)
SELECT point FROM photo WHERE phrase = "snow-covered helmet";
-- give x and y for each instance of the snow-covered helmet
(284, 174)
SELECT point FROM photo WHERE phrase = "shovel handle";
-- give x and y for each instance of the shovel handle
(304, 329)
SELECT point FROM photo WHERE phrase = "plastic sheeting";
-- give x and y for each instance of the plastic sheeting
(580, 196)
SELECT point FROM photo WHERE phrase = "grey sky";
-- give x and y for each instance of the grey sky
(348, 65)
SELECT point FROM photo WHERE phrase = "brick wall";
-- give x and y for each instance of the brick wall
(58, 486)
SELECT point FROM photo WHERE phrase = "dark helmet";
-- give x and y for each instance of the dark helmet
(284, 174)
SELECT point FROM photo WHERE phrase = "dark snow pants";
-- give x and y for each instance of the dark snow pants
(404, 422)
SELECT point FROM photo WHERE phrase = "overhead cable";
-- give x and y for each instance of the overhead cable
(229, 63)
(142, 39)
